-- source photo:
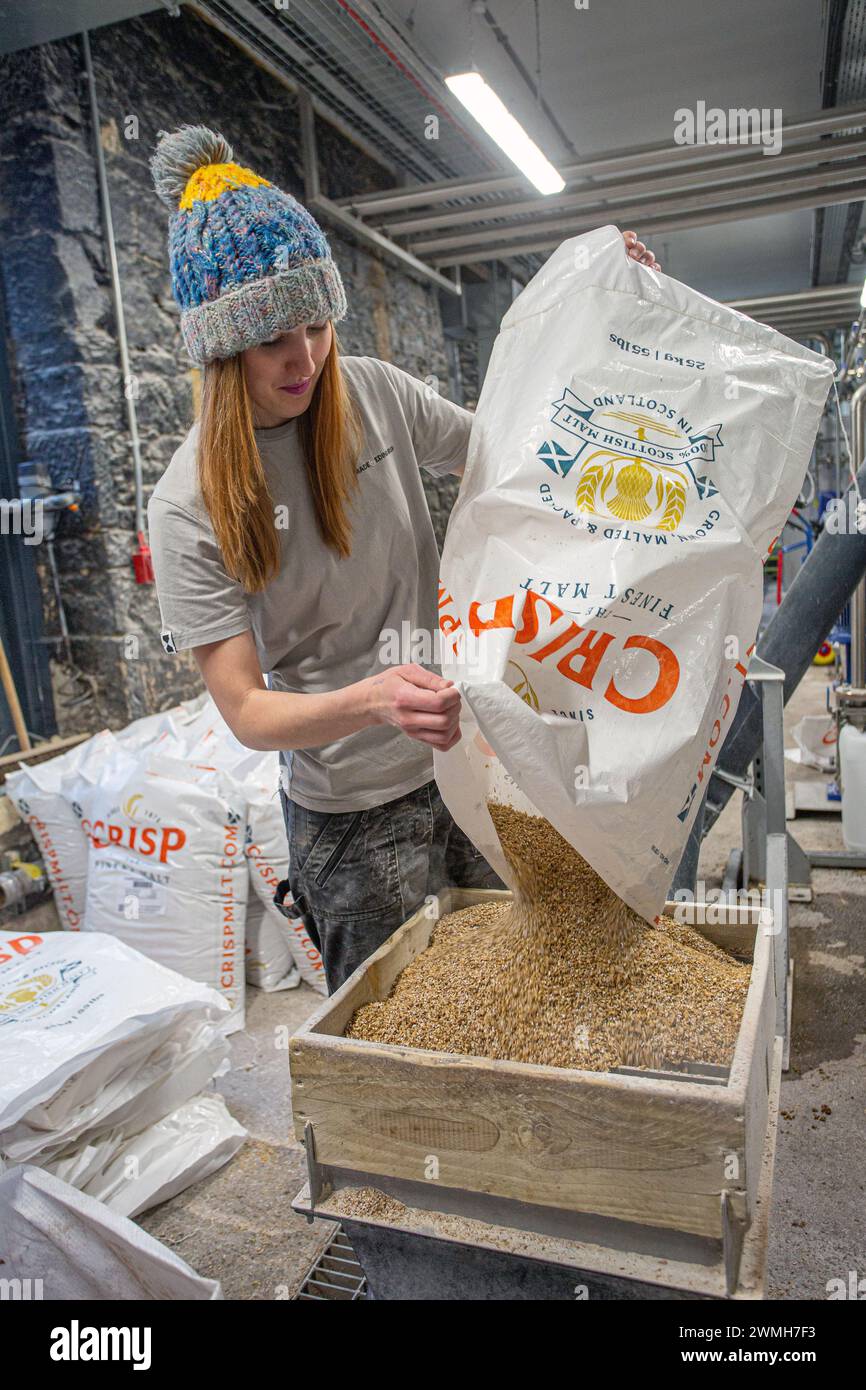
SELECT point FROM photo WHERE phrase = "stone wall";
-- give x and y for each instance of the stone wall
(152, 73)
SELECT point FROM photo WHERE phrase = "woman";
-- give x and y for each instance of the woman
(291, 535)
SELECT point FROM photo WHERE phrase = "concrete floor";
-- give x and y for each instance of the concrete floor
(238, 1226)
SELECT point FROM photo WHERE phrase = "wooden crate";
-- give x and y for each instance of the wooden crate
(672, 1151)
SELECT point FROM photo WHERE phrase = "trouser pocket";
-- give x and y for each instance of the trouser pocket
(332, 862)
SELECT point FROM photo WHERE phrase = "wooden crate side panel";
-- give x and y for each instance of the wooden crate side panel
(622, 1147)
(334, 1014)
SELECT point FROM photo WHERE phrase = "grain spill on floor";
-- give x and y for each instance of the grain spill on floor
(565, 975)
(371, 1204)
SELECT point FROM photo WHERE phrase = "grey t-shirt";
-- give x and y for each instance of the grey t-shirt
(317, 624)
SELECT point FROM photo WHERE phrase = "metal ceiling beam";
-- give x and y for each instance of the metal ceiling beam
(755, 166)
(318, 203)
(600, 210)
(841, 193)
(635, 161)
(820, 297)
(424, 71)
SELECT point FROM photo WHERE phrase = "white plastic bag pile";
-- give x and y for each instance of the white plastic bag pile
(636, 449)
(35, 792)
(104, 1055)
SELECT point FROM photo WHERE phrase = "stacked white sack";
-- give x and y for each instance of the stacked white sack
(99, 1047)
(209, 742)
(35, 793)
(141, 733)
(279, 953)
(166, 866)
(182, 1148)
(278, 950)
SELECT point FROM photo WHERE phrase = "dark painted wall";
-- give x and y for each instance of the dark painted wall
(152, 73)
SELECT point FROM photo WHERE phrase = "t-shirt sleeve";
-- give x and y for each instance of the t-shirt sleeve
(198, 601)
(440, 429)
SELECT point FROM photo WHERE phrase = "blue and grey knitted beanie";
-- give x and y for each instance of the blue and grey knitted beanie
(247, 260)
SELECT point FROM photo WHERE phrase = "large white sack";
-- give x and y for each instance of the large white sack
(36, 794)
(80, 1250)
(148, 731)
(166, 868)
(211, 740)
(635, 451)
(93, 1032)
(142, 733)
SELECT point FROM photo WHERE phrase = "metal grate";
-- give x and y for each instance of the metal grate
(336, 1273)
(331, 54)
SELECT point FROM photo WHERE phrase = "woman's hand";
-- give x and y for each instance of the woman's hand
(420, 703)
(638, 251)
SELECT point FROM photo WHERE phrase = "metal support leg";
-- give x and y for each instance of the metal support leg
(771, 684)
(765, 835)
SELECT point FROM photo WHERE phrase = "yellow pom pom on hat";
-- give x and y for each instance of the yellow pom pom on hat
(212, 180)
(247, 260)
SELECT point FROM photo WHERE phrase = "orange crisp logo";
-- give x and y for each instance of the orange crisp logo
(576, 652)
(149, 840)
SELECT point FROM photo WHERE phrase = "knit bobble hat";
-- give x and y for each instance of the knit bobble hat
(247, 261)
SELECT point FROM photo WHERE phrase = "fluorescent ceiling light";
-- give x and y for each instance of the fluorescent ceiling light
(863, 296)
(497, 120)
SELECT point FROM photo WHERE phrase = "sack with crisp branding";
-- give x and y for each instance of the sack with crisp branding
(166, 870)
(36, 794)
(636, 449)
(269, 963)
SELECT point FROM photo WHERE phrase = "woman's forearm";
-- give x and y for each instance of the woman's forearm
(275, 719)
(418, 702)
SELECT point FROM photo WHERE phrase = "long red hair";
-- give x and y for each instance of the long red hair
(232, 479)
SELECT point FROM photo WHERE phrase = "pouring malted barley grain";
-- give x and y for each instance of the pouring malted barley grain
(635, 450)
(600, 593)
(563, 975)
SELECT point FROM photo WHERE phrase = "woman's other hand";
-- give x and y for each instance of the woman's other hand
(638, 251)
(420, 703)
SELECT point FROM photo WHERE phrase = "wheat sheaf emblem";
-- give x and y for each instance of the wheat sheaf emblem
(633, 488)
(523, 687)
